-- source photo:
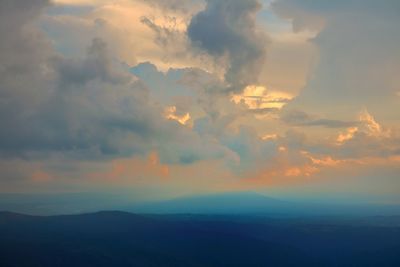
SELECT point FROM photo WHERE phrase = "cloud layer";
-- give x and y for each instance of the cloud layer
(176, 97)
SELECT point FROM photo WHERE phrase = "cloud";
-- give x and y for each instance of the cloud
(84, 111)
(77, 111)
(171, 114)
(301, 118)
(349, 134)
(89, 106)
(181, 5)
(131, 169)
(135, 30)
(229, 29)
(368, 139)
(358, 53)
(259, 98)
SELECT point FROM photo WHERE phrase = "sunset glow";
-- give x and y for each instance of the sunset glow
(175, 98)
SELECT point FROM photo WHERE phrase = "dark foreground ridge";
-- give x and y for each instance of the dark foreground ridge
(113, 238)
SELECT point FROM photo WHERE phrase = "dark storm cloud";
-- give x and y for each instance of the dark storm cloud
(228, 28)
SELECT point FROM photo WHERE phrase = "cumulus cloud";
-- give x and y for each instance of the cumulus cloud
(357, 42)
(90, 106)
(228, 29)
(83, 104)
(89, 117)
(135, 30)
(189, 93)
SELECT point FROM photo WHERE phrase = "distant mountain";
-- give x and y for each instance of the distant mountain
(246, 203)
(223, 203)
(60, 203)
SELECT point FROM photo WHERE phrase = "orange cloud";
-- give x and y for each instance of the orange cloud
(170, 113)
(343, 137)
(367, 125)
(258, 97)
(267, 137)
(131, 169)
(41, 176)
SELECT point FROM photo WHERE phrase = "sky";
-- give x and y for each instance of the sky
(166, 98)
